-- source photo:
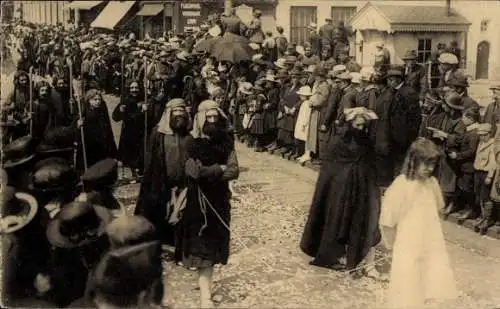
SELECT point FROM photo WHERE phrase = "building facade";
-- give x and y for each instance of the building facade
(43, 12)
(481, 43)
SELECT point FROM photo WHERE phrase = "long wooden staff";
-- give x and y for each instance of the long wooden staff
(122, 90)
(145, 59)
(70, 65)
(82, 132)
(31, 99)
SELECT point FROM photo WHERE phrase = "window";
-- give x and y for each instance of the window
(300, 18)
(484, 25)
(424, 50)
(343, 13)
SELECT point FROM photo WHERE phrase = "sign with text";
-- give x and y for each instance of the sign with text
(191, 14)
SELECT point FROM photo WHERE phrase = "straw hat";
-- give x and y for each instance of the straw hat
(410, 55)
(246, 88)
(367, 114)
(280, 63)
(305, 91)
(448, 58)
(495, 86)
(345, 76)
(367, 73)
(355, 77)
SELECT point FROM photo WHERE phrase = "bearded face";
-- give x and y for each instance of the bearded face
(61, 85)
(214, 126)
(23, 81)
(179, 121)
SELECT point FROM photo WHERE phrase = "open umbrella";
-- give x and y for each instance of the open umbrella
(232, 48)
(208, 44)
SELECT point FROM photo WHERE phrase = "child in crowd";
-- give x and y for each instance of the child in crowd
(461, 150)
(485, 166)
(302, 124)
(410, 227)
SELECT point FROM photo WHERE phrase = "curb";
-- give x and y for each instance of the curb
(493, 232)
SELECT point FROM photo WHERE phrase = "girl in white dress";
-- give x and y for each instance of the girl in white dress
(411, 228)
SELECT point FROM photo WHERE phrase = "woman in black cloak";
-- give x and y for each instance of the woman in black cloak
(342, 227)
(99, 140)
(203, 232)
(131, 111)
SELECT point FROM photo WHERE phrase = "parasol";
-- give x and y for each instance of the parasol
(208, 44)
(232, 48)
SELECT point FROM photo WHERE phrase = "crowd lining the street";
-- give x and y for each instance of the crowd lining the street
(184, 100)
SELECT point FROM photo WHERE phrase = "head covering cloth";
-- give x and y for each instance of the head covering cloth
(200, 117)
(164, 123)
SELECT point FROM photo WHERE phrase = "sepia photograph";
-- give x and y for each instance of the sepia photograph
(248, 154)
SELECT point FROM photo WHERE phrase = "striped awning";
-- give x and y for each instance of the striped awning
(112, 14)
(84, 5)
(150, 9)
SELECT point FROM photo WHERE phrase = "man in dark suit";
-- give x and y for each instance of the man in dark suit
(414, 74)
(399, 119)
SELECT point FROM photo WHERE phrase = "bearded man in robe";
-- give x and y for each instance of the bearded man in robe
(164, 169)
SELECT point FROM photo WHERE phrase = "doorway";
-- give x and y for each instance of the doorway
(483, 59)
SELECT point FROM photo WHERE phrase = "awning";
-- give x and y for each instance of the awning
(84, 5)
(150, 10)
(112, 14)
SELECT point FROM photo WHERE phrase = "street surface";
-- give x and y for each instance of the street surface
(266, 268)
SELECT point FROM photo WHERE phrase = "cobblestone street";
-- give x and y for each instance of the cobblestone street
(267, 270)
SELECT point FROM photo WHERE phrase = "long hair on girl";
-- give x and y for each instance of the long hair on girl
(421, 150)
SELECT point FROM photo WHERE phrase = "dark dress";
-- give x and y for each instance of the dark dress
(131, 146)
(202, 239)
(344, 213)
(99, 140)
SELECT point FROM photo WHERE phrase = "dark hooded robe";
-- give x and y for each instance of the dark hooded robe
(131, 146)
(99, 139)
(343, 218)
(164, 170)
(202, 235)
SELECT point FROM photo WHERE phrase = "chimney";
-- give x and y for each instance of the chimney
(448, 8)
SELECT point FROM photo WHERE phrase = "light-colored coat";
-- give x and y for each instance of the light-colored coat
(320, 91)
(302, 125)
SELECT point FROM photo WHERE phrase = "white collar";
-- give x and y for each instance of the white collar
(399, 86)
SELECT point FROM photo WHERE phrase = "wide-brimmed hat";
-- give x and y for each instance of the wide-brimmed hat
(17, 209)
(19, 152)
(312, 26)
(367, 74)
(458, 81)
(395, 71)
(310, 68)
(128, 270)
(448, 58)
(183, 55)
(77, 216)
(454, 101)
(280, 63)
(345, 76)
(52, 175)
(290, 59)
(102, 174)
(305, 91)
(271, 78)
(355, 77)
(379, 44)
(258, 59)
(410, 55)
(367, 114)
(246, 88)
(59, 139)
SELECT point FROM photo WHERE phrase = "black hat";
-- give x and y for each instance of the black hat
(53, 174)
(395, 71)
(59, 139)
(101, 175)
(75, 218)
(410, 55)
(17, 209)
(19, 151)
(125, 272)
(458, 80)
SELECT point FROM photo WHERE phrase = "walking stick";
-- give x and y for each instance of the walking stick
(122, 89)
(31, 99)
(70, 65)
(82, 133)
(145, 59)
